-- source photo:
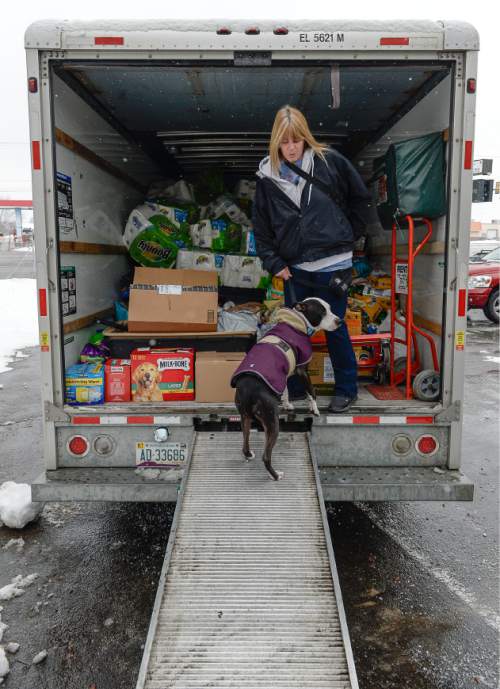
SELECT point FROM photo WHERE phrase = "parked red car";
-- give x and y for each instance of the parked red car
(484, 278)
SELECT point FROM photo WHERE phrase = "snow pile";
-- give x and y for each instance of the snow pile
(4, 665)
(3, 627)
(39, 657)
(18, 318)
(17, 586)
(17, 542)
(16, 508)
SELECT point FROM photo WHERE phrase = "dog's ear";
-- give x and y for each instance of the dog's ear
(298, 306)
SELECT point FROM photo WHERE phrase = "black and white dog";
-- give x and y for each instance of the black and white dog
(260, 380)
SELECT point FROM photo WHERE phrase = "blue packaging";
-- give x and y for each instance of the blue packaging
(84, 384)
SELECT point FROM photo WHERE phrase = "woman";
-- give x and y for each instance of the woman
(305, 231)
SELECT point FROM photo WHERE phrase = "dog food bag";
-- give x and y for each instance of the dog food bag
(244, 271)
(162, 375)
(96, 349)
(84, 384)
(117, 380)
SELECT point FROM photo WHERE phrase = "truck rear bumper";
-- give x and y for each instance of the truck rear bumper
(359, 484)
(349, 484)
(107, 485)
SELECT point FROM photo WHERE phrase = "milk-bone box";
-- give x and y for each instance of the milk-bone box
(162, 375)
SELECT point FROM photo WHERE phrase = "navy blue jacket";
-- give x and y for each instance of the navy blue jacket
(286, 234)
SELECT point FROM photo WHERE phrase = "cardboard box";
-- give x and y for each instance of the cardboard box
(162, 375)
(170, 301)
(320, 368)
(84, 384)
(117, 380)
(214, 371)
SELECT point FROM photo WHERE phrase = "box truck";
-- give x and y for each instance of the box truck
(116, 106)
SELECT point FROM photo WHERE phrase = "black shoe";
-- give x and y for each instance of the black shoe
(340, 403)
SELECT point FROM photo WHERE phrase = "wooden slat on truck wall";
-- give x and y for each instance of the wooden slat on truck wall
(79, 149)
(90, 248)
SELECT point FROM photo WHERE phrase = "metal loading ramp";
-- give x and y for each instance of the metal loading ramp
(248, 597)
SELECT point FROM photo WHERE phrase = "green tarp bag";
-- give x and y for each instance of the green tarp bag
(410, 179)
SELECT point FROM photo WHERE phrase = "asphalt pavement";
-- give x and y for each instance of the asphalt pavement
(419, 580)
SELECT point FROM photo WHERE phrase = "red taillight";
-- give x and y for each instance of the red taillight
(78, 445)
(223, 31)
(395, 40)
(32, 85)
(468, 155)
(280, 31)
(252, 31)
(108, 40)
(427, 445)
(42, 301)
(471, 86)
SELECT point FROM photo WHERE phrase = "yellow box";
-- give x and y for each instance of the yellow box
(353, 321)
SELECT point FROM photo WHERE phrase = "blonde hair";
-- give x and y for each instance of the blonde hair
(291, 122)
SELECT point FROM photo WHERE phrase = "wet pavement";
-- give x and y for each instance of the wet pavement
(419, 580)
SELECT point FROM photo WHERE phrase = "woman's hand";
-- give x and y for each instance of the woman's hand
(285, 274)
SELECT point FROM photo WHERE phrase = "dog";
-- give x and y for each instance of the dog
(260, 379)
(147, 377)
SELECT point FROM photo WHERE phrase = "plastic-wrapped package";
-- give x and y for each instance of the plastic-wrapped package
(225, 206)
(180, 191)
(169, 219)
(248, 246)
(96, 349)
(244, 271)
(201, 234)
(245, 189)
(195, 260)
(221, 235)
(153, 248)
(234, 321)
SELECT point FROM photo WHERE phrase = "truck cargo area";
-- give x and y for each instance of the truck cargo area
(122, 126)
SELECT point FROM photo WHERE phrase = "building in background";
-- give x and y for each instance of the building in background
(485, 230)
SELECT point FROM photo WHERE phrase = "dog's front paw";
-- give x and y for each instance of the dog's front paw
(279, 476)
(313, 408)
(249, 456)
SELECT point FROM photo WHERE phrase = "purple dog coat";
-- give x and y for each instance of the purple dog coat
(274, 361)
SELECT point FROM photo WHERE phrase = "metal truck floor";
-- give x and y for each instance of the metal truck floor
(249, 596)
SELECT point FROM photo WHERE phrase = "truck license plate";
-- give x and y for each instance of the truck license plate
(160, 454)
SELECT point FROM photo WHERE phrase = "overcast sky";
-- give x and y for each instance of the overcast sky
(14, 134)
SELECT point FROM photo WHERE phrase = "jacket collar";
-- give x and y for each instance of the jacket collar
(293, 191)
(293, 318)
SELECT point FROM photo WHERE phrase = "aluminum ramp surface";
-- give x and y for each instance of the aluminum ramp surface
(248, 596)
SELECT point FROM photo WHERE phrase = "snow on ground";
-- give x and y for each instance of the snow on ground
(16, 507)
(18, 318)
(4, 664)
(17, 586)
